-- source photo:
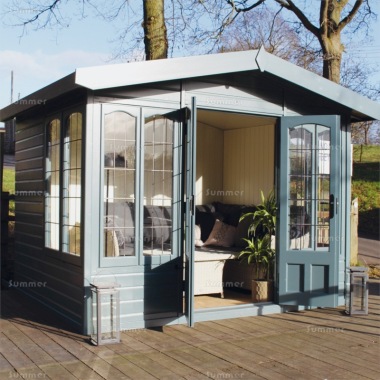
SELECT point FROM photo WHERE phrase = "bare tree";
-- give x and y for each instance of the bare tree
(334, 16)
(267, 28)
(155, 37)
(360, 132)
(199, 26)
(325, 24)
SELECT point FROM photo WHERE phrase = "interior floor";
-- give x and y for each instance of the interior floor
(231, 298)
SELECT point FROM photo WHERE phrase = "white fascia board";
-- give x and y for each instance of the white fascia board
(127, 74)
(317, 84)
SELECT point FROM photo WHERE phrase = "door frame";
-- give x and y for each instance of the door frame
(276, 307)
(189, 178)
(299, 271)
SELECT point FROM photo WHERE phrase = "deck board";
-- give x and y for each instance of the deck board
(312, 344)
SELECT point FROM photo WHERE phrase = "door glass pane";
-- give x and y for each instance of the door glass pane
(158, 184)
(322, 185)
(119, 184)
(309, 187)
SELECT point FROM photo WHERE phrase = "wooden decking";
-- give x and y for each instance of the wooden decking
(317, 344)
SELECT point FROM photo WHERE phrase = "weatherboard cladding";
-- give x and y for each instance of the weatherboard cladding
(39, 273)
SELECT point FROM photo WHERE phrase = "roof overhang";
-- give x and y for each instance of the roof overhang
(317, 84)
(213, 65)
(162, 70)
(40, 97)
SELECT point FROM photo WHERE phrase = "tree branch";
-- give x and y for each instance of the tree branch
(351, 14)
(323, 15)
(244, 9)
(49, 8)
(288, 4)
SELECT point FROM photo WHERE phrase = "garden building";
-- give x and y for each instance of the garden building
(138, 173)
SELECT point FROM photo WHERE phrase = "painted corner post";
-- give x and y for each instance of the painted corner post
(190, 210)
(354, 231)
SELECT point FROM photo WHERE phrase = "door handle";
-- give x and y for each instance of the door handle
(331, 206)
(192, 205)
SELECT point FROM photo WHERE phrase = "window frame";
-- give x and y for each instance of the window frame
(46, 155)
(63, 116)
(116, 261)
(139, 259)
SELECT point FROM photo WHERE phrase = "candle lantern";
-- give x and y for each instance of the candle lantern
(358, 291)
(105, 313)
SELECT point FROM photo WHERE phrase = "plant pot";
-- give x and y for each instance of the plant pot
(262, 291)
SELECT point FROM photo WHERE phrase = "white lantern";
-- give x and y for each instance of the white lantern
(105, 313)
(359, 291)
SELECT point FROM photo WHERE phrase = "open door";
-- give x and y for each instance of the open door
(189, 195)
(308, 239)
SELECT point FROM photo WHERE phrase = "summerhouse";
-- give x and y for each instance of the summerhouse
(137, 174)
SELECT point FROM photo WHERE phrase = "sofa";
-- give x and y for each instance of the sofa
(219, 240)
(119, 221)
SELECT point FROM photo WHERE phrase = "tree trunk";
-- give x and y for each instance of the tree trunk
(330, 40)
(155, 36)
(332, 56)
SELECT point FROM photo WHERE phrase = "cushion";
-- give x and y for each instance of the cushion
(157, 225)
(242, 232)
(197, 236)
(230, 212)
(206, 208)
(120, 217)
(206, 221)
(299, 221)
(222, 235)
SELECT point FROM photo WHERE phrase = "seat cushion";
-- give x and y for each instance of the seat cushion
(222, 235)
(206, 221)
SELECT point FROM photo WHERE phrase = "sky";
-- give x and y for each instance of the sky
(42, 57)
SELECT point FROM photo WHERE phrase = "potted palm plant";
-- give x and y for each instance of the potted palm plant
(259, 250)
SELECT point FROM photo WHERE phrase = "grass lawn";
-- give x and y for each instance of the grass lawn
(9, 180)
(366, 187)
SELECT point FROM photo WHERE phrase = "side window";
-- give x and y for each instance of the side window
(52, 178)
(72, 184)
(63, 178)
(119, 184)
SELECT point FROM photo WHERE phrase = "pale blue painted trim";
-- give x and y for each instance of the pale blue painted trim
(111, 262)
(248, 310)
(137, 73)
(298, 257)
(132, 73)
(190, 207)
(317, 84)
(346, 210)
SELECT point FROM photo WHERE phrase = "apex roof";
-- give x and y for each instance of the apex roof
(258, 62)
